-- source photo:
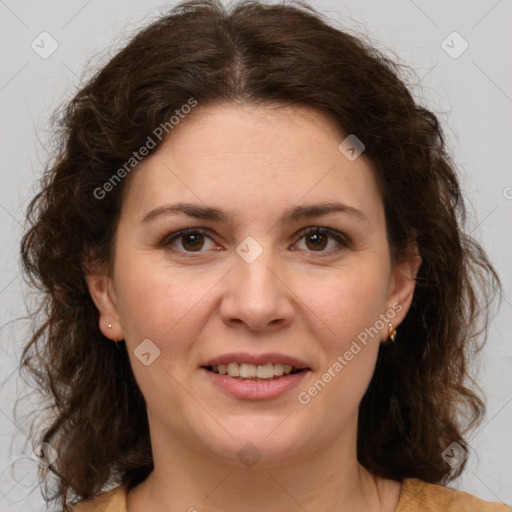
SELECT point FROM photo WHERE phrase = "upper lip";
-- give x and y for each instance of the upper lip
(257, 359)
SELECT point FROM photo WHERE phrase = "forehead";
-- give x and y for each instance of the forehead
(276, 134)
(249, 159)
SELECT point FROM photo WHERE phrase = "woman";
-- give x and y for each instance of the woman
(258, 292)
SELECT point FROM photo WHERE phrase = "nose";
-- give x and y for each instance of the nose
(257, 295)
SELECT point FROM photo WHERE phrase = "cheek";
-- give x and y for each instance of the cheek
(158, 302)
(347, 326)
(349, 300)
(351, 309)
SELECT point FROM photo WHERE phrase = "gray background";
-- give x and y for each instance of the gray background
(472, 94)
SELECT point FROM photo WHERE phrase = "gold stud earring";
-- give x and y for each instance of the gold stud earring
(392, 333)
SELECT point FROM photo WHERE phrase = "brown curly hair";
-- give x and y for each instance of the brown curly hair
(421, 389)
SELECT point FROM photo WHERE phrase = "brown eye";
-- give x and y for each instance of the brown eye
(317, 239)
(192, 240)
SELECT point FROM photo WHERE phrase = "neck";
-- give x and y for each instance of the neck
(326, 480)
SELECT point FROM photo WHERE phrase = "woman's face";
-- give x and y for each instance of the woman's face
(247, 285)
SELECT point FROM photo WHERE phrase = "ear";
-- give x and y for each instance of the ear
(103, 296)
(402, 285)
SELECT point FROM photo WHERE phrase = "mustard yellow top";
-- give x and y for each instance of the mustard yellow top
(415, 496)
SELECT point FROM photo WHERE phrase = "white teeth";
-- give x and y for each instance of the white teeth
(265, 371)
(233, 369)
(252, 371)
(247, 371)
(278, 369)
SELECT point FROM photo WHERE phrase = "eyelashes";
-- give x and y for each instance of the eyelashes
(192, 237)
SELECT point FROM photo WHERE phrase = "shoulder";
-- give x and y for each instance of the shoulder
(108, 501)
(417, 495)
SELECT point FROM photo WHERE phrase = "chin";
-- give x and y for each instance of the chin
(260, 442)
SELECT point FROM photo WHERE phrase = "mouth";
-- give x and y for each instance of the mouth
(248, 376)
(254, 372)
(251, 381)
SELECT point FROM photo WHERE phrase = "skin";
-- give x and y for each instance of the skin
(253, 162)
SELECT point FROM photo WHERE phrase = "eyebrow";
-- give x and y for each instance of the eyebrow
(292, 215)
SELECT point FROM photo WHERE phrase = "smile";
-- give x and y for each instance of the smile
(248, 371)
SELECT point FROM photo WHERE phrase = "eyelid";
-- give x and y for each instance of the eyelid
(341, 238)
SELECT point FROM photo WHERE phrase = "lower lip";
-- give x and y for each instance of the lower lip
(256, 389)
